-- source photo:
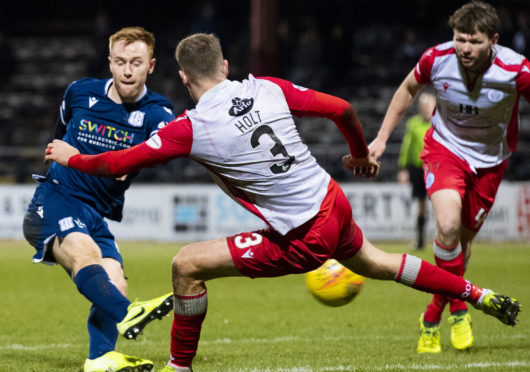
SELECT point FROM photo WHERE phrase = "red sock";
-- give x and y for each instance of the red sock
(185, 334)
(426, 277)
(190, 312)
(433, 313)
(450, 259)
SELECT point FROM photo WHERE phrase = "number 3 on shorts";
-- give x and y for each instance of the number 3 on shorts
(247, 241)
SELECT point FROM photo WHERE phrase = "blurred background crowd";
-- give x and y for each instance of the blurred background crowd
(359, 50)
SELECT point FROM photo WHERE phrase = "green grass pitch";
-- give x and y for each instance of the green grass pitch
(262, 324)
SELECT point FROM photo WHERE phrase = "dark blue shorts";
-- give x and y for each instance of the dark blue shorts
(53, 213)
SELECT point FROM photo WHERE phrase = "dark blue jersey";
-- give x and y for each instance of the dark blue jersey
(94, 124)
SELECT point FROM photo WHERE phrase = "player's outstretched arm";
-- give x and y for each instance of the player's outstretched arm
(172, 141)
(401, 101)
(307, 102)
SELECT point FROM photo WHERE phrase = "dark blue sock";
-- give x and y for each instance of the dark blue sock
(94, 283)
(102, 333)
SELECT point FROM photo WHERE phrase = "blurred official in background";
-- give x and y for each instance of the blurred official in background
(410, 163)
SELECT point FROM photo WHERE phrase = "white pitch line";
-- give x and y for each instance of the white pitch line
(34, 347)
(453, 367)
(394, 367)
(350, 368)
(359, 338)
(253, 340)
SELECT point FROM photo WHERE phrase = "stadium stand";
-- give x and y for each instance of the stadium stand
(359, 55)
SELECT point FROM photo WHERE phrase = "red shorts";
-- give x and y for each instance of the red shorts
(444, 170)
(332, 233)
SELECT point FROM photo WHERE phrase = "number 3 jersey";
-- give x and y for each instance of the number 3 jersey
(245, 135)
(94, 124)
(476, 116)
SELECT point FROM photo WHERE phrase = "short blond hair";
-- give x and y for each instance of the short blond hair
(131, 34)
(200, 56)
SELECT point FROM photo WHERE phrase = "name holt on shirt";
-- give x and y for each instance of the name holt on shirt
(248, 121)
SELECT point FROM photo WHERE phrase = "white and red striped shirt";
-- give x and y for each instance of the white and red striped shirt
(476, 117)
(245, 135)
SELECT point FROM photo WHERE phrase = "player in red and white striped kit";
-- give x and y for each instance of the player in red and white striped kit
(244, 134)
(474, 130)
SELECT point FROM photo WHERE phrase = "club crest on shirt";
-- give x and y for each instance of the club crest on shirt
(136, 118)
(495, 95)
(241, 106)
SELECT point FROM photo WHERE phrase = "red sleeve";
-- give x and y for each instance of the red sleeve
(522, 81)
(172, 141)
(422, 71)
(307, 102)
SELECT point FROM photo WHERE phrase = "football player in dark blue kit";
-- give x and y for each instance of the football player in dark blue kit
(65, 220)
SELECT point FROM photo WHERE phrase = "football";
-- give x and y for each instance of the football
(333, 284)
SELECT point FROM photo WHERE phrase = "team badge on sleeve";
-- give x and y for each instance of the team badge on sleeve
(154, 142)
(300, 88)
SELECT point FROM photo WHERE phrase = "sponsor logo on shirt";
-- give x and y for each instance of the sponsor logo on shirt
(241, 106)
(468, 109)
(136, 118)
(99, 131)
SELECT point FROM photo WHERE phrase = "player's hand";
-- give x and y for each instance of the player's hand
(60, 152)
(376, 148)
(365, 167)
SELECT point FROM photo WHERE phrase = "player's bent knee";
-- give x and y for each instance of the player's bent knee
(183, 265)
(449, 230)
